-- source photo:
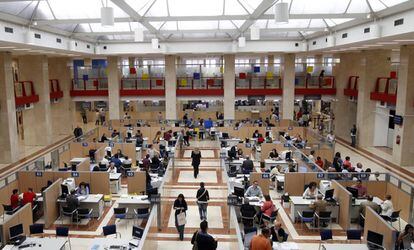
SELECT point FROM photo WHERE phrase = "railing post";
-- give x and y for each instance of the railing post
(84, 85)
(207, 83)
(265, 82)
(150, 83)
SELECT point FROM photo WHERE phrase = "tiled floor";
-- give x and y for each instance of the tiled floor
(204, 153)
(204, 176)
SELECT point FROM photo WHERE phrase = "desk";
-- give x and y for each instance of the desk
(231, 141)
(77, 161)
(356, 205)
(92, 201)
(285, 246)
(298, 203)
(280, 181)
(41, 243)
(105, 243)
(269, 163)
(133, 202)
(344, 246)
(115, 182)
(240, 161)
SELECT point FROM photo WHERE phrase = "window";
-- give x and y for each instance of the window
(242, 61)
(328, 61)
(193, 63)
(399, 22)
(310, 61)
(211, 63)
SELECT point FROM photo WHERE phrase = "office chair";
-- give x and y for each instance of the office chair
(110, 230)
(120, 213)
(142, 213)
(306, 217)
(270, 218)
(353, 234)
(125, 168)
(36, 229)
(395, 216)
(323, 217)
(63, 232)
(325, 236)
(68, 212)
(84, 213)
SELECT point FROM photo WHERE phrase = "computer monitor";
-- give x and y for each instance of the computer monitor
(16, 231)
(281, 133)
(65, 189)
(171, 143)
(239, 192)
(353, 191)
(225, 135)
(374, 240)
(329, 194)
(288, 155)
(233, 168)
(137, 232)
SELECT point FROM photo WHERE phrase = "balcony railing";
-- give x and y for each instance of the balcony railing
(385, 90)
(315, 85)
(258, 85)
(153, 86)
(89, 87)
(55, 91)
(205, 86)
(352, 87)
(24, 93)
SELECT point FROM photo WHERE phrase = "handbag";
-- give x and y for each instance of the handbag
(181, 220)
(195, 245)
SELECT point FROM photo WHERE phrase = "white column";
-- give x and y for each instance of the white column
(170, 88)
(288, 82)
(229, 79)
(403, 153)
(37, 121)
(114, 81)
(9, 150)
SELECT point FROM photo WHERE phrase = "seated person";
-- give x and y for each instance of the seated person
(254, 191)
(72, 203)
(29, 196)
(103, 138)
(14, 199)
(83, 189)
(268, 139)
(387, 207)
(168, 135)
(96, 168)
(369, 203)
(232, 152)
(319, 205)
(277, 232)
(362, 191)
(311, 191)
(116, 161)
(146, 162)
(311, 156)
(105, 161)
(247, 166)
(151, 151)
(319, 162)
(114, 133)
(155, 162)
(273, 154)
(119, 154)
(406, 238)
(239, 152)
(248, 211)
(255, 134)
(347, 164)
(287, 137)
(267, 208)
(157, 138)
(112, 168)
(139, 141)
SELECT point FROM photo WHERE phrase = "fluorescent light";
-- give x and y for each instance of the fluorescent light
(242, 42)
(282, 12)
(107, 16)
(7, 47)
(139, 34)
(20, 49)
(387, 43)
(404, 40)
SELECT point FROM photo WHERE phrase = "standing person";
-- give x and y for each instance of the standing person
(202, 240)
(180, 206)
(77, 132)
(97, 118)
(202, 201)
(406, 238)
(29, 196)
(14, 199)
(196, 159)
(353, 135)
(84, 118)
(102, 115)
(261, 241)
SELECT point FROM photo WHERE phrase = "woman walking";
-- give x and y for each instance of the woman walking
(196, 158)
(180, 206)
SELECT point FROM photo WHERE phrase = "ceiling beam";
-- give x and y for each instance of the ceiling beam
(259, 11)
(42, 22)
(136, 17)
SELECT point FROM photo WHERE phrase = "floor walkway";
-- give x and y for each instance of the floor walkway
(183, 182)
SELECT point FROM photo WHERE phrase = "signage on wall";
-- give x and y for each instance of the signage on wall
(266, 176)
(84, 144)
(39, 174)
(232, 200)
(363, 176)
(320, 176)
(130, 174)
(75, 174)
(290, 128)
(398, 120)
(111, 144)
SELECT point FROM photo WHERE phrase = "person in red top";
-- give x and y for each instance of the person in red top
(14, 199)
(319, 162)
(267, 208)
(29, 196)
(347, 164)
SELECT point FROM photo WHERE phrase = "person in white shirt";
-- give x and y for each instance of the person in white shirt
(112, 168)
(311, 191)
(273, 173)
(330, 137)
(387, 207)
(105, 161)
(311, 156)
(358, 168)
(152, 151)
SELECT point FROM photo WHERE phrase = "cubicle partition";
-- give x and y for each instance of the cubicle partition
(6, 192)
(344, 198)
(374, 223)
(295, 182)
(263, 183)
(136, 182)
(50, 205)
(22, 216)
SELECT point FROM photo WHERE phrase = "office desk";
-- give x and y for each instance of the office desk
(115, 182)
(77, 161)
(357, 204)
(240, 161)
(133, 202)
(231, 141)
(298, 203)
(280, 181)
(105, 243)
(92, 201)
(269, 163)
(41, 243)
(285, 246)
(344, 246)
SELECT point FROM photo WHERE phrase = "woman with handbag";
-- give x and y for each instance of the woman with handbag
(202, 240)
(180, 206)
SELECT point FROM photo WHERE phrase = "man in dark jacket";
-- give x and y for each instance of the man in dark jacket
(204, 240)
(77, 132)
(202, 201)
(247, 166)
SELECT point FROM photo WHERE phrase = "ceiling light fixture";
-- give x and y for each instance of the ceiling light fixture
(139, 34)
(7, 47)
(254, 33)
(242, 42)
(375, 30)
(107, 16)
(20, 49)
(154, 43)
(29, 37)
(282, 12)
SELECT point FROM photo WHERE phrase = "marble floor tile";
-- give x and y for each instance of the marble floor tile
(205, 176)
(214, 217)
(204, 153)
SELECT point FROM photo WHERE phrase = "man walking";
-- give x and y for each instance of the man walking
(353, 136)
(202, 201)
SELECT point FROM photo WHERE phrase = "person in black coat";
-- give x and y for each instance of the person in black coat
(196, 159)
(78, 132)
(277, 232)
(247, 211)
(180, 206)
(202, 201)
(204, 240)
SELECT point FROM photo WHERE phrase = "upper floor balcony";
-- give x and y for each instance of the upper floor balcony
(89, 87)
(385, 90)
(24, 93)
(55, 91)
(315, 85)
(352, 88)
(199, 86)
(142, 86)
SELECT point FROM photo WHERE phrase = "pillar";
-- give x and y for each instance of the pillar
(114, 81)
(62, 111)
(170, 88)
(229, 79)
(373, 64)
(403, 153)
(9, 151)
(37, 122)
(288, 98)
